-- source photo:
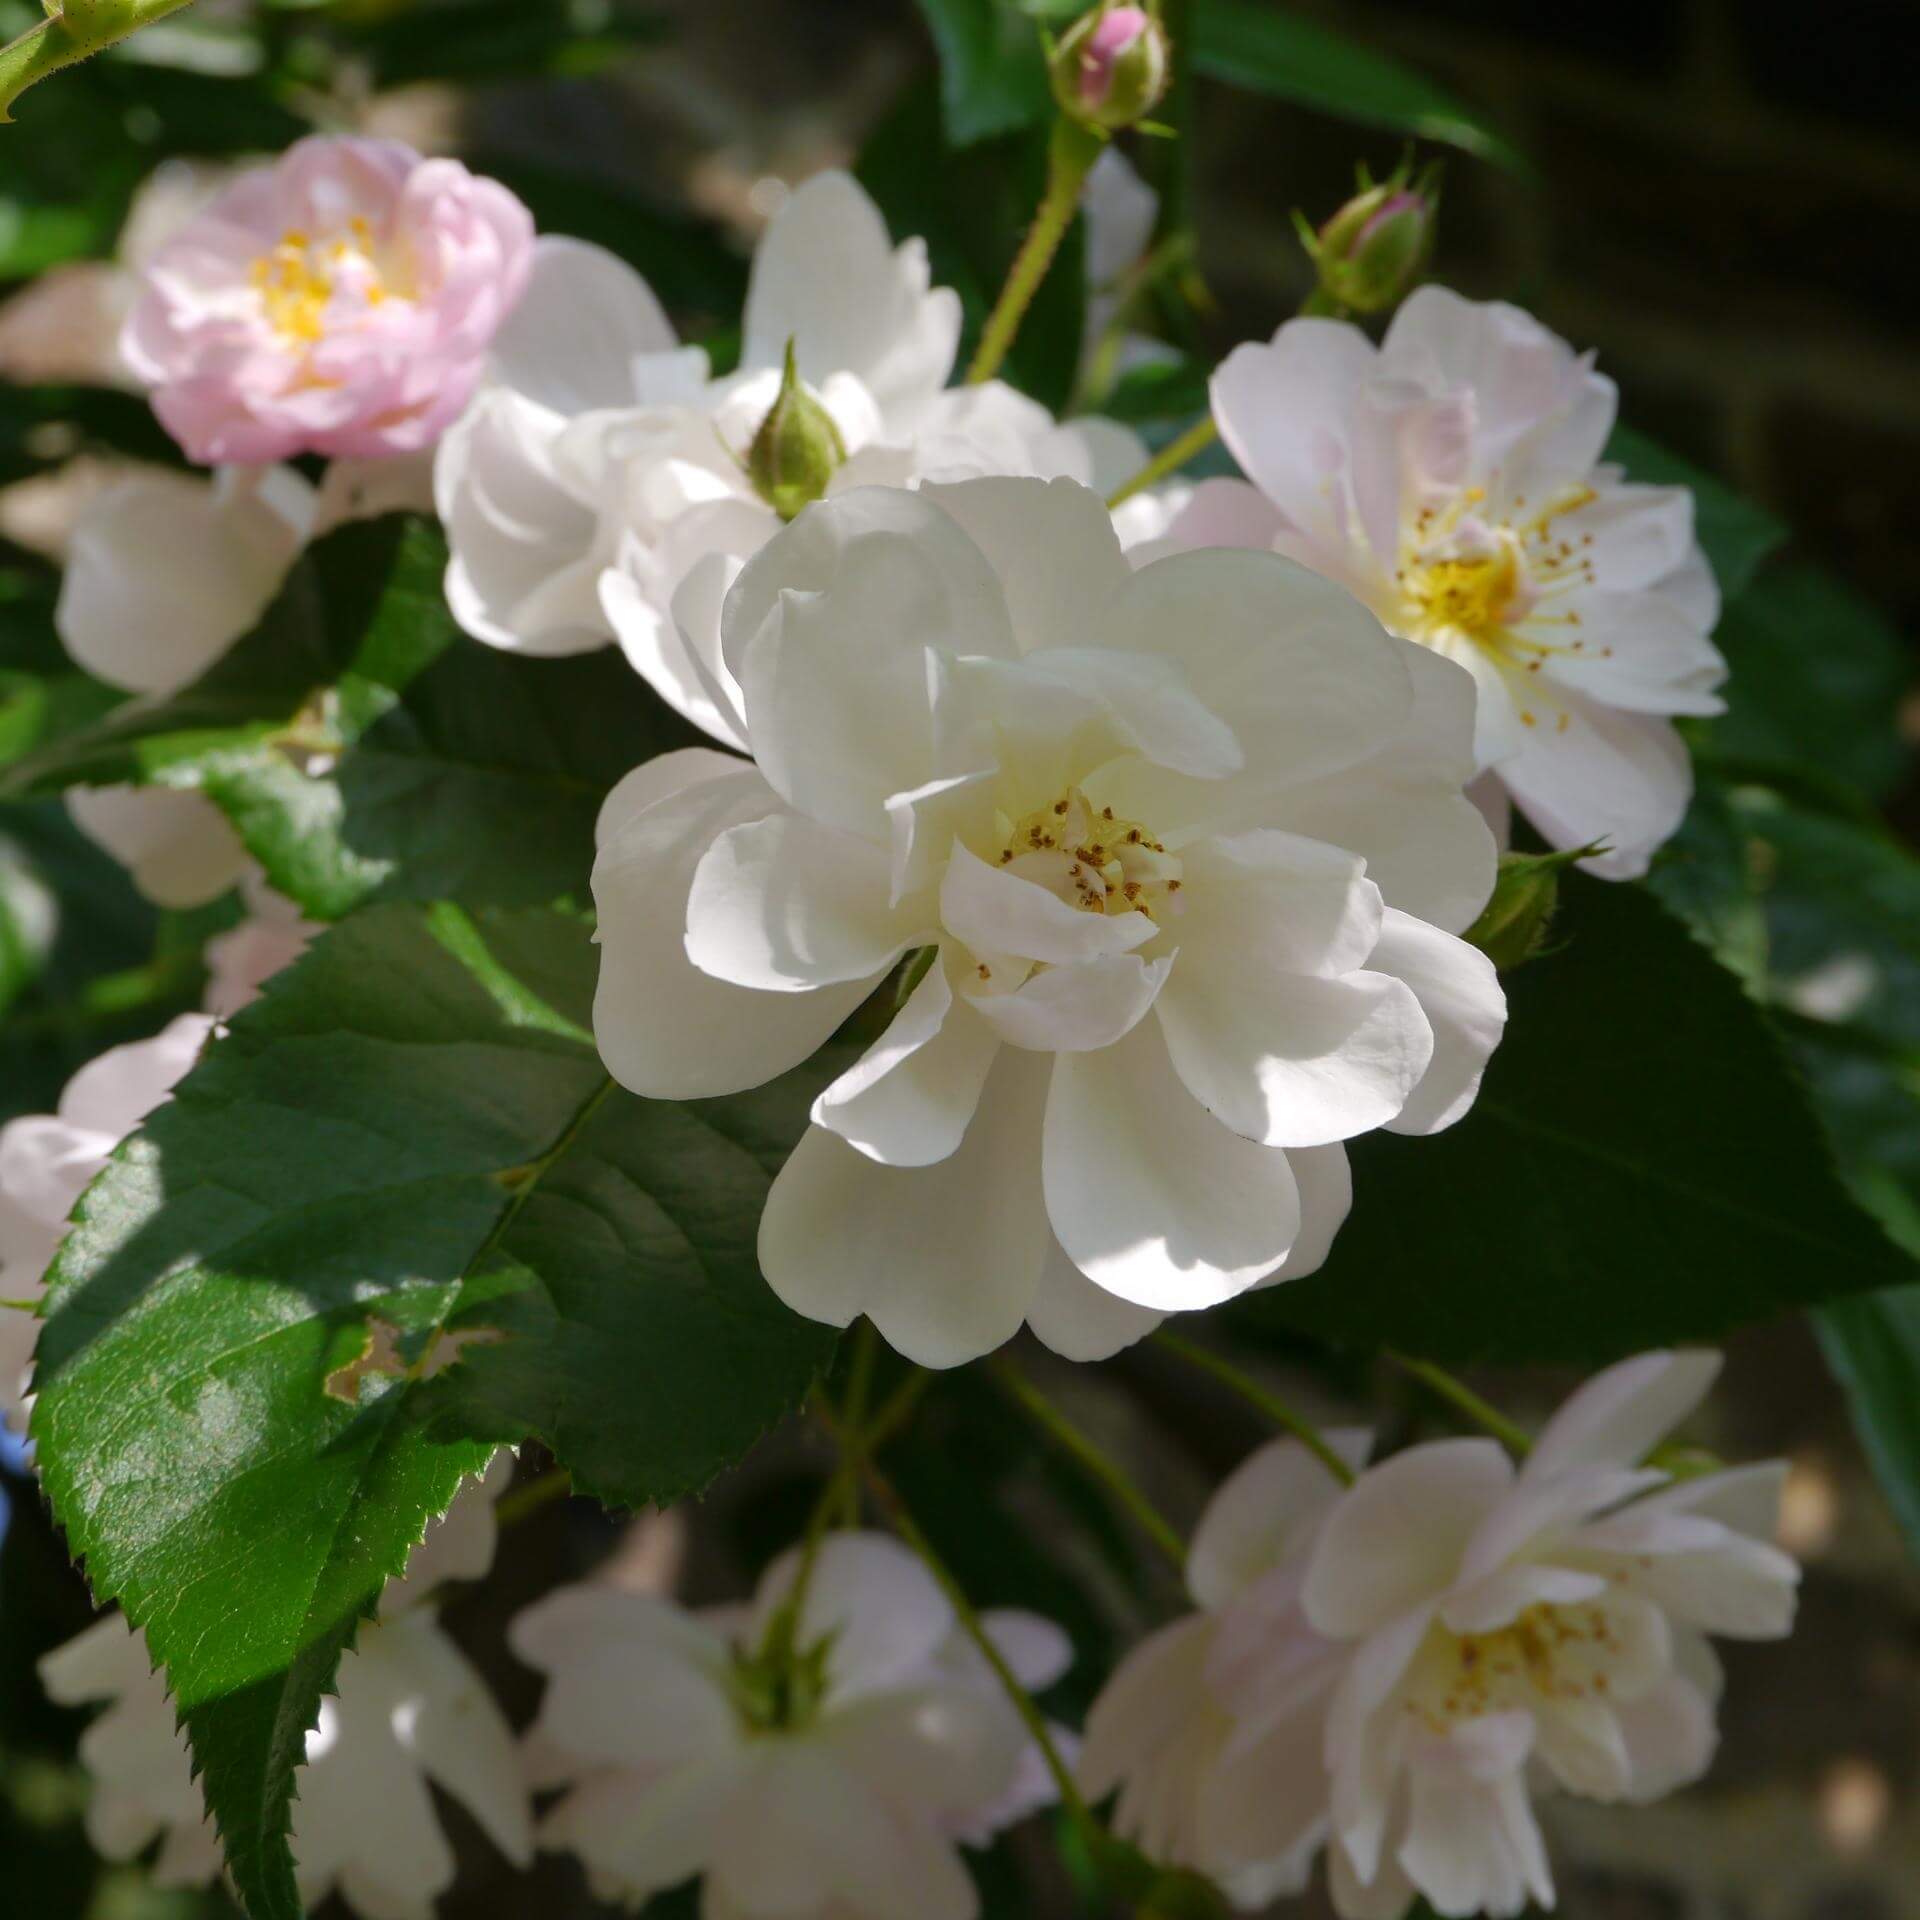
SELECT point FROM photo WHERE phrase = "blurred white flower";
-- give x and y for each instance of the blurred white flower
(47, 1160)
(598, 486)
(829, 1786)
(1452, 479)
(1212, 1727)
(1212, 792)
(242, 960)
(1541, 1627)
(409, 1710)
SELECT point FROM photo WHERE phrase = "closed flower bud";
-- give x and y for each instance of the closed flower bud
(1512, 929)
(1110, 68)
(1373, 250)
(797, 450)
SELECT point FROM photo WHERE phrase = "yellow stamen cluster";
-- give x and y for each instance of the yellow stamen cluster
(1548, 1653)
(1492, 585)
(296, 281)
(1104, 864)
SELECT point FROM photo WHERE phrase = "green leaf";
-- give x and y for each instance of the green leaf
(1736, 534)
(1253, 44)
(365, 749)
(972, 210)
(1873, 1347)
(993, 74)
(1817, 676)
(410, 1137)
(1640, 1167)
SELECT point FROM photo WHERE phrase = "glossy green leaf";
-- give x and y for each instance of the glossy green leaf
(1816, 676)
(1736, 535)
(399, 1215)
(993, 76)
(366, 749)
(1272, 50)
(1641, 1167)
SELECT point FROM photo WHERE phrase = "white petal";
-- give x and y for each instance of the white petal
(1639, 652)
(1669, 1732)
(646, 1832)
(1427, 846)
(874, 1599)
(1473, 1846)
(1226, 513)
(786, 905)
(1325, 1182)
(1290, 1059)
(1150, 1195)
(1082, 1321)
(1265, 1515)
(943, 1259)
(1624, 778)
(633, 1681)
(1397, 1538)
(1076, 1008)
(826, 276)
(522, 563)
(1286, 412)
(177, 845)
(1619, 1416)
(910, 1097)
(584, 319)
(840, 683)
(996, 912)
(1305, 676)
(1459, 991)
(663, 1027)
(212, 555)
(1052, 546)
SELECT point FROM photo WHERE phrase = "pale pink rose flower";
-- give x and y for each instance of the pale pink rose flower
(340, 301)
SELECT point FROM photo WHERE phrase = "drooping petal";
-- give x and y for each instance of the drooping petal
(994, 911)
(1460, 993)
(1079, 1320)
(1150, 1195)
(943, 1259)
(908, 1100)
(665, 1028)
(1397, 1538)
(1079, 1007)
(1291, 1059)
(786, 905)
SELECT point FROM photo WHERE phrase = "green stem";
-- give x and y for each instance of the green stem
(524, 1502)
(1058, 1428)
(1255, 1395)
(1170, 459)
(1511, 1435)
(1070, 156)
(904, 1524)
(69, 34)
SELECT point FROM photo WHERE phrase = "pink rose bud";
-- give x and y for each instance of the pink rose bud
(1110, 68)
(1376, 247)
(340, 301)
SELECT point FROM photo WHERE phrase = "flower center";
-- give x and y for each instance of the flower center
(1091, 858)
(297, 281)
(1549, 1653)
(1473, 576)
(780, 1687)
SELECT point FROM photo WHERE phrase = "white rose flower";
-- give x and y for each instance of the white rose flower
(47, 1160)
(598, 485)
(1547, 1625)
(1452, 480)
(1188, 846)
(408, 1710)
(830, 1788)
(1212, 1727)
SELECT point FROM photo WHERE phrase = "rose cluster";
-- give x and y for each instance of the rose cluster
(1137, 844)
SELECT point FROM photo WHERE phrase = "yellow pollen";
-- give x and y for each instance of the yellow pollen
(298, 279)
(1113, 866)
(1549, 1653)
